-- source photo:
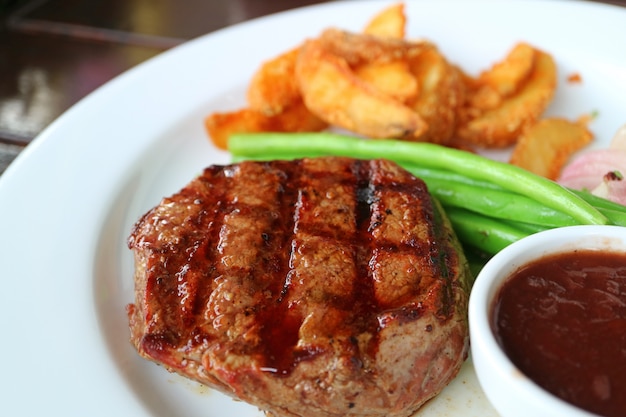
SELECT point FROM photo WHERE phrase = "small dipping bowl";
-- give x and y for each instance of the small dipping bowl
(509, 390)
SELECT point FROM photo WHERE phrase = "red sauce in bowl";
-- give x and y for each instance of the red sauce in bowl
(562, 322)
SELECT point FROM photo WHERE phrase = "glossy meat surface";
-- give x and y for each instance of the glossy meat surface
(316, 287)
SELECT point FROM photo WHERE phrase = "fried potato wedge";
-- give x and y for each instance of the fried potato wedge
(273, 87)
(502, 80)
(441, 95)
(379, 84)
(507, 76)
(392, 78)
(296, 118)
(377, 76)
(501, 126)
(545, 147)
(390, 22)
(359, 49)
(332, 91)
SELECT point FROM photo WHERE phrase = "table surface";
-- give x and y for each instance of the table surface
(54, 52)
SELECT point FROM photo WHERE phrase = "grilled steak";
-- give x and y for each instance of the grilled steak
(316, 287)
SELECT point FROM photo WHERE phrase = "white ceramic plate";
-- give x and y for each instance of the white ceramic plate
(67, 203)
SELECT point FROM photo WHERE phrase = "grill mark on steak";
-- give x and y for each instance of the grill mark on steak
(269, 265)
(176, 235)
(323, 264)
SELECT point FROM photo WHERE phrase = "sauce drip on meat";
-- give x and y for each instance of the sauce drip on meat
(562, 322)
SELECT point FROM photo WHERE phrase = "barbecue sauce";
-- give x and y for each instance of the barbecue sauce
(562, 322)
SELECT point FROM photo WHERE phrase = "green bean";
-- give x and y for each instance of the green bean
(599, 202)
(276, 157)
(418, 171)
(476, 259)
(497, 203)
(442, 179)
(617, 218)
(509, 177)
(447, 176)
(615, 212)
(490, 235)
(529, 228)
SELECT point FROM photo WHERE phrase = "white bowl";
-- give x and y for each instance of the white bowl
(511, 393)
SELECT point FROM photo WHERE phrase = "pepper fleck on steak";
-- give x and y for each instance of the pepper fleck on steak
(317, 287)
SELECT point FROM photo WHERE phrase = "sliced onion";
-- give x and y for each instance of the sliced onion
(614, 190)
(590, 171)
(595, 163)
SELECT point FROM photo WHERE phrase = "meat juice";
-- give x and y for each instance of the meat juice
(562, 322)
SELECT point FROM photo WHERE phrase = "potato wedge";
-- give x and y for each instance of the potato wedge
(441, 95)
(501, 126)
(390, 22)
(273, 87)
(504, 79)
(297, 118)
(332, 91)
(507, 76)
(545, 147)
(392, 78)
(359, 49)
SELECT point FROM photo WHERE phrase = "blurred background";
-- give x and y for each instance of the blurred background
(54, 52)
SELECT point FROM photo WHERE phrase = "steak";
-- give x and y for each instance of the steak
(316, 287)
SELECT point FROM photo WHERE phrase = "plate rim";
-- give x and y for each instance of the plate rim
(42, 168)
